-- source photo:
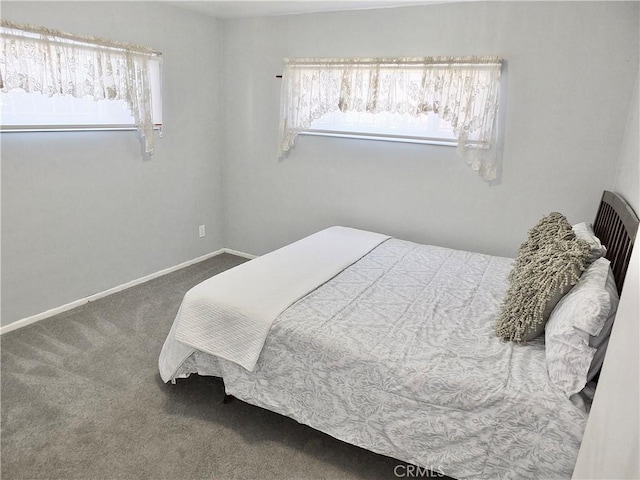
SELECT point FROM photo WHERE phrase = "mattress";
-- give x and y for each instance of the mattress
(397, 354)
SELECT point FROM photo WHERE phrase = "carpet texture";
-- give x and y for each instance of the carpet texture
(82, 398)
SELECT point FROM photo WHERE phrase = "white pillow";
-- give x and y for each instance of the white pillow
(584, 231)
(593, 282)
(601, 339)
(581, 314)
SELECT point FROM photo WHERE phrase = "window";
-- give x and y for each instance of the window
(52, 80)
(442, 100)
(34, 111)
(394, 127)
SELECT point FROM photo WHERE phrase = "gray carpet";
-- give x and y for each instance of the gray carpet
(81, 399)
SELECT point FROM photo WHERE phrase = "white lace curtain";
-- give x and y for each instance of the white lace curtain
(461, 90)
(38, 59)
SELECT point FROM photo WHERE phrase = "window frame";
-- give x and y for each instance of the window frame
(155, 67)
(365, 126)
(381, 137)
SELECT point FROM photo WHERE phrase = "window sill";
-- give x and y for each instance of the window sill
(382, 137)
(68, 128)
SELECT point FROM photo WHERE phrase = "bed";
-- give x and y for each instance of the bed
(392, 348)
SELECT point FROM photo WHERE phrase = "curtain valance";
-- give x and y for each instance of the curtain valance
(38, 59)
(461, 90)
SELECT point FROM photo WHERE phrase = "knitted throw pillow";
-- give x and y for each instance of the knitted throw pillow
(539, 281)
(550, 227)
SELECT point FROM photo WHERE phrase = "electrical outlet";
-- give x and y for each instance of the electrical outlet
(201, 231)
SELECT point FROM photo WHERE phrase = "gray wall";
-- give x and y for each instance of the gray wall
(628, 170)
(85, 212)
(609, 448)
(570, 70)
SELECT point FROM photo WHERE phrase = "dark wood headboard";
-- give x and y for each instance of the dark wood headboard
(616, 225)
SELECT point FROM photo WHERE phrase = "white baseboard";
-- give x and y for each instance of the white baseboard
(239, 254)
(63, 308)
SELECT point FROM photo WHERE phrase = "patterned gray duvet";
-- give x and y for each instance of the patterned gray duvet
(397, 354)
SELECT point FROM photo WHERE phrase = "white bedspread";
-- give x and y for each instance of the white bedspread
(397, 354)
(230, 314)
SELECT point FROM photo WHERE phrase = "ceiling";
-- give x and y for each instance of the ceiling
(260, 8)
